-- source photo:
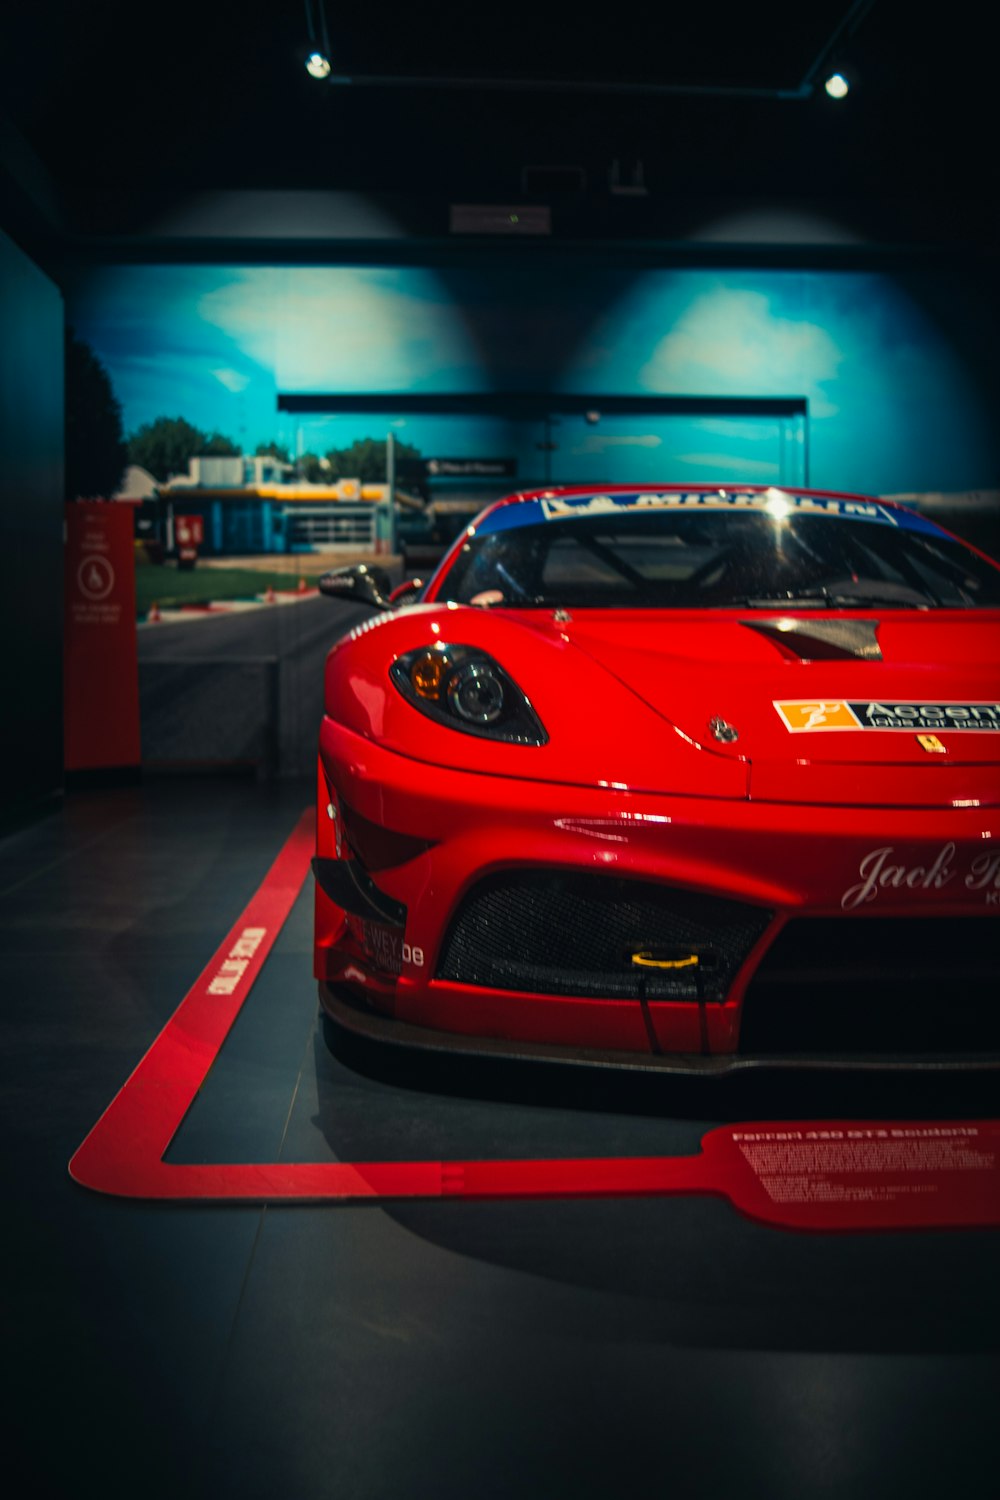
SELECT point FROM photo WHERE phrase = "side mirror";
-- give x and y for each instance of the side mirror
(359, 584)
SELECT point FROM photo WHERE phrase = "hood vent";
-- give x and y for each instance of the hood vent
(821, 640)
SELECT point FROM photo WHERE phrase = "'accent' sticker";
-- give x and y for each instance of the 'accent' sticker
(801, 716)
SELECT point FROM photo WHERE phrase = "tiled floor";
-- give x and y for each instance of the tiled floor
(444, 1349)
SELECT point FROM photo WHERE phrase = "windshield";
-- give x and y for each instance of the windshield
(677, 560)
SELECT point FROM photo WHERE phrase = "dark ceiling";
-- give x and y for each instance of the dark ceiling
(130, 105)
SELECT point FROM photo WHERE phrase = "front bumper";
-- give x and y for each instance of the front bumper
(455, 827)
(351, 1013)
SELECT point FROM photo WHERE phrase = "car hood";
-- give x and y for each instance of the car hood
(824, 705)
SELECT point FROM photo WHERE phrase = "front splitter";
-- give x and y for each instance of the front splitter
(346, 1010)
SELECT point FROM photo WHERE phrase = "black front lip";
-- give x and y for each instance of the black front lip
(354, 1016)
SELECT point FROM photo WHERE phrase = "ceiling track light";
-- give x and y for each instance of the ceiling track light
(829, 66)
(824, 72)
(318, 61)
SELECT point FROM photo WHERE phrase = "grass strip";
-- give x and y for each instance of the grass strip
(168, 587)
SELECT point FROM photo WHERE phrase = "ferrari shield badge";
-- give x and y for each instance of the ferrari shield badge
(931, 744)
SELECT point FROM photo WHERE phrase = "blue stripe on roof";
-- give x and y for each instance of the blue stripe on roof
(509, 517)
(556, 507)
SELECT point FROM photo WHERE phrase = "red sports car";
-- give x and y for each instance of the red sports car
(684, 778)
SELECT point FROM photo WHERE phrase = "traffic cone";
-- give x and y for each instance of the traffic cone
(269, 595)
(154, 617)
(302, 586)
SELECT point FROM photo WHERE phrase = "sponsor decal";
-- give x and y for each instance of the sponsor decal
(386, 948)
(883, 870)
(237, 961)
(802, 715)
(805, 715)
(557, 507)
(588, 505)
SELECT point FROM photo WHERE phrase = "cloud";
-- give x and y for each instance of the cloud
(597, 443)
(707, 462)
(324, 328)
(743, 429)
(731, 342)
(232, 380)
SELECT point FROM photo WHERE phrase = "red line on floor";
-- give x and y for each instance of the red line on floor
(820, 1175)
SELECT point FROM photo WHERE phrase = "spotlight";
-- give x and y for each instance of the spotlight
(318, 61)
(837, 86)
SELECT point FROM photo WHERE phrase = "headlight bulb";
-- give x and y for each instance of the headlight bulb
(475, 692)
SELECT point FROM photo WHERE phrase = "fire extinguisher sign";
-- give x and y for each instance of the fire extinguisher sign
(101, 673)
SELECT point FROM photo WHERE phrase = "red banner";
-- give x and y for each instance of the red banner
(189, 531)
(101, 668)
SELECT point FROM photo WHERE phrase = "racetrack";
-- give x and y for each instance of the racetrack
(241, 687)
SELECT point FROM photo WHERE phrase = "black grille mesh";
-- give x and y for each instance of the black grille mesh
(573, 934)
(877, 985)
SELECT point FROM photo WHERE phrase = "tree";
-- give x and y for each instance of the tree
(165, 446)
(217, 445)
(96, 454)
(313, 469)
(274, 450)
(365, 460)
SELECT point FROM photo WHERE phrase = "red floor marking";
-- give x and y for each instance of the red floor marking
(820, 1175)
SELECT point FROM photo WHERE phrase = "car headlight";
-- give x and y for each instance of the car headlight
(464, 688)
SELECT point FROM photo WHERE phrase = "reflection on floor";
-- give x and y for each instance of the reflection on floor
(445, 1348)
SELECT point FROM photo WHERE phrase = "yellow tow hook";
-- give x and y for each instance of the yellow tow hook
(647, 960)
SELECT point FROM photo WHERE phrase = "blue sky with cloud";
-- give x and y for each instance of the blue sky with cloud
(891, 405)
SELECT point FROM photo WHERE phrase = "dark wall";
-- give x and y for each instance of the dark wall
(31, 530)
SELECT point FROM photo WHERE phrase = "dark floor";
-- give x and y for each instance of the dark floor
(447, 1349)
